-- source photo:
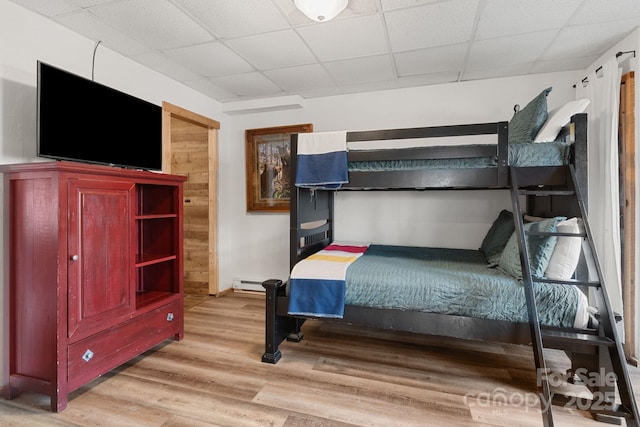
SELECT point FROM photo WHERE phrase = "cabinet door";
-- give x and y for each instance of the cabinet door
(101, 269)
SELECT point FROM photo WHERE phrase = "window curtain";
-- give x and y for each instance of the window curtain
(603, 89)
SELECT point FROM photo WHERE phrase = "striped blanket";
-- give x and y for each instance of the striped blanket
(317, 283)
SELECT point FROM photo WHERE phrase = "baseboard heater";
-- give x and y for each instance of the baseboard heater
(247, 285)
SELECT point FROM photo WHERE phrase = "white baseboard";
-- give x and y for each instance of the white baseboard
(247, 285)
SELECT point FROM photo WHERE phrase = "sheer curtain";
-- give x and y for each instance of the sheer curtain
(603, 89)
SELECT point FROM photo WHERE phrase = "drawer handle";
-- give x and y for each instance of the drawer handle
(169, 317)
(74, 258)
(88, 355)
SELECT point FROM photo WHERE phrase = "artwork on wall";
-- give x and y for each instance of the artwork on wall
(268, 157)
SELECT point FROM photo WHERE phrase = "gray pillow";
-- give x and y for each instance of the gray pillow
(497, 237)
(526, 123)
(540, 249)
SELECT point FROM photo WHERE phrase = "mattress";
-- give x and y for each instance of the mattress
(454, 282)
(520, 155)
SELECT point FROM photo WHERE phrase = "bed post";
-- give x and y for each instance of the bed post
(503, 154)
(578, 135)
(277, 328)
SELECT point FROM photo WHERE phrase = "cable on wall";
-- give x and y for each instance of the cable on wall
(93, 59)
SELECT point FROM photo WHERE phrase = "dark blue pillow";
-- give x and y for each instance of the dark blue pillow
(497, 237)
(526, 123)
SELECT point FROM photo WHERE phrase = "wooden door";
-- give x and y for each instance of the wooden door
(190, 145)
(101, 276)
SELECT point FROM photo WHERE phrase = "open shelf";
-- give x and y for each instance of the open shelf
(156, 199)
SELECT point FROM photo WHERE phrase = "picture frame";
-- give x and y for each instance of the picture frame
(268, 157)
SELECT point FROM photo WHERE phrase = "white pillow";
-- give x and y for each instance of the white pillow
(559, 118)
(566, 254)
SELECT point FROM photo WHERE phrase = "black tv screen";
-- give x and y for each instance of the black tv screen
(84, 121)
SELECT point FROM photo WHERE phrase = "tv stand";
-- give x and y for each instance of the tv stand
(95, 272)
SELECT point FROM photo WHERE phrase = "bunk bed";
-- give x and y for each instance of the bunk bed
(451, 167)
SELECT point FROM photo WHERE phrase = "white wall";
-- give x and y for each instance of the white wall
(26, 37)
(255, 245)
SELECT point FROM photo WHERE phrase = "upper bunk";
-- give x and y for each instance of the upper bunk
(409, 160)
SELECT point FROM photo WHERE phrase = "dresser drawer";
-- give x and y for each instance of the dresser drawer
(100, 353)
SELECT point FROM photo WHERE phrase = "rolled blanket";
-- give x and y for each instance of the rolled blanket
(317, 283)
(322, 160)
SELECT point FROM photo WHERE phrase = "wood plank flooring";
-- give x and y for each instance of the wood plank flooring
(338, 375)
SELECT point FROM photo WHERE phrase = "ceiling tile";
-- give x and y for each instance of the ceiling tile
(496, 71)
(339, 39)
(210, 59)
(47, 7)
(433, 60)
(206, 87)
(88, 3)
(429, 79)
(359, 7)
(301, 77)
(587, 40)
(234, 18)
(248, 85)
(515, 49)
(273, 50)
(164, 65)
(565, 64)
(350, 71)
(500, 18)
(370, 86)
(401, 4)
(597, 11)
(320, 92)
(157, 23)
(431, 25)
(87, 24)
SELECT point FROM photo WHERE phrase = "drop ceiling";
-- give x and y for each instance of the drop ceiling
(235, 50)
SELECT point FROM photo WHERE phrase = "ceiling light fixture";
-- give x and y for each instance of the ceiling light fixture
(321, 10)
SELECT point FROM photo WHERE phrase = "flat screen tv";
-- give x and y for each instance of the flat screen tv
(81, 120)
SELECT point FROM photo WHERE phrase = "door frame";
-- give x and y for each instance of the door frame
(626, 138)
(170, 111)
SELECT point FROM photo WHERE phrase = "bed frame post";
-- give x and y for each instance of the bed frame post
(277, 328)
(503, 154)
(272, 339)
(578, 135)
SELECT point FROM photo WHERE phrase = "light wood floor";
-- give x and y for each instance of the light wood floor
(337, 376)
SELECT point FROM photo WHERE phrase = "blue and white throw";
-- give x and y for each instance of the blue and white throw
(322, 160)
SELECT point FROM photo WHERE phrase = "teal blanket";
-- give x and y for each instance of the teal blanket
(451, 281)
(520, 155)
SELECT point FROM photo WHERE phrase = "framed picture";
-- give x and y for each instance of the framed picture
(268, 153)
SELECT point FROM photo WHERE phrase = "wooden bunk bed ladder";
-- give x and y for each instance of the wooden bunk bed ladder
(600, 342)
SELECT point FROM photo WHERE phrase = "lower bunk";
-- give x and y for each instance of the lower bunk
(437, 291)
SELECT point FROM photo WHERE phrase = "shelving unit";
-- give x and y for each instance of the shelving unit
(95, 272)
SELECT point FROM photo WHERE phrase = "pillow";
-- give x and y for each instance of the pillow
(559, 118)
(526, 123)
(540, 249)
(530, 218)
(566, 254)
(497, 236)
